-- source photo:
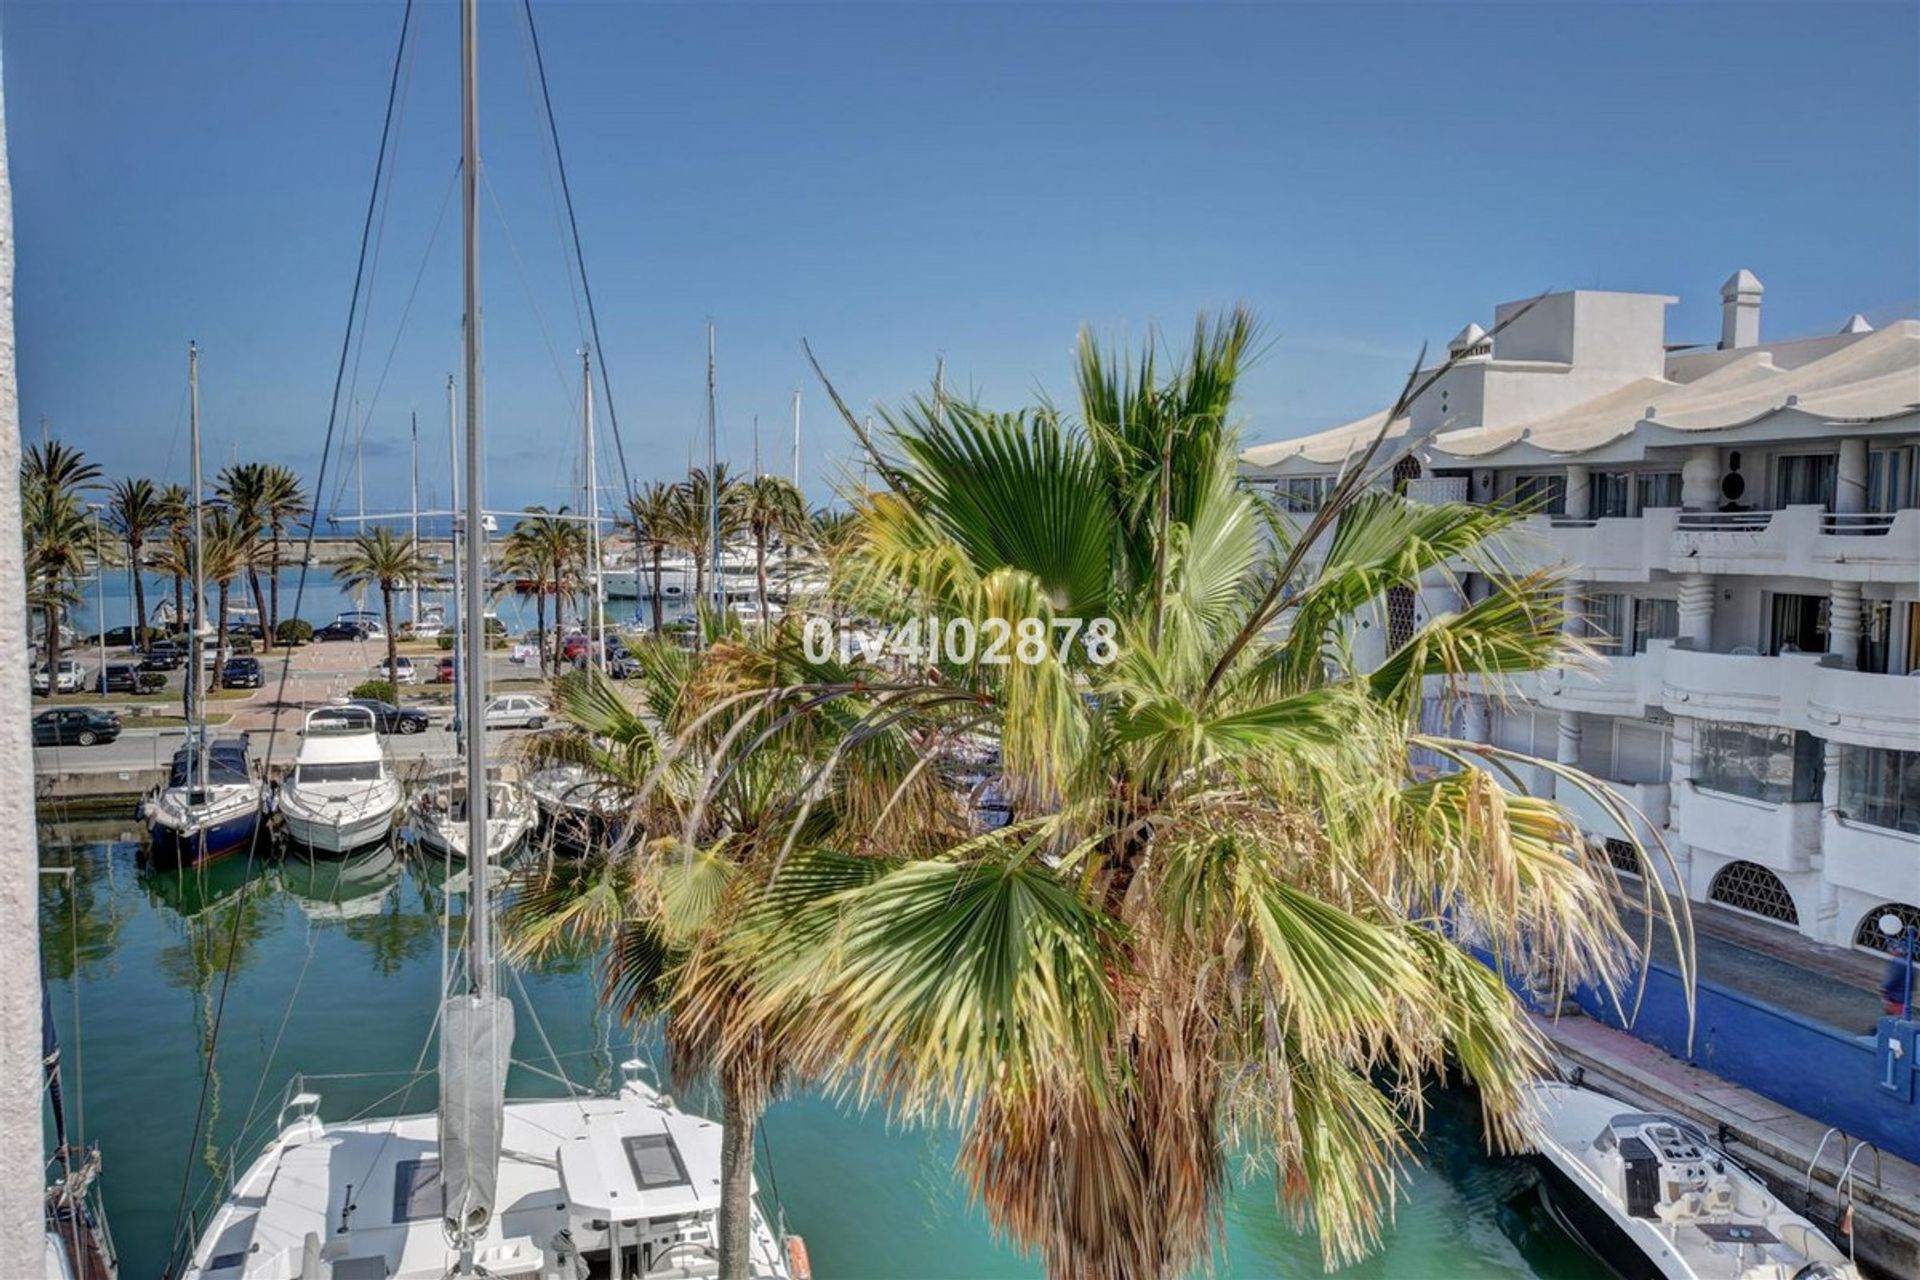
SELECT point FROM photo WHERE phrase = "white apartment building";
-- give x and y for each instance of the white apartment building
(1741, 530)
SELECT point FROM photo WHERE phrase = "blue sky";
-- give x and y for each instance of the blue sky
(901, 181)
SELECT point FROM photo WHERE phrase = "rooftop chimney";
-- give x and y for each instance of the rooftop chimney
(1740, 310)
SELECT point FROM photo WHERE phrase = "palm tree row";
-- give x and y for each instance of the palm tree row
(1221, 929)
(253, 509)
(680, 517)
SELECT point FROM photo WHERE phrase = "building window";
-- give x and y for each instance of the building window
(1654, 620)
(1889, 479)
(1759, 762)
(1799, 623)
(1624, 856)
(1611, 491)
(1875, 651)
(1748, 886)
(1880, 788)
(1540, 494)
(1400, 617)
(1804, 480)
(1302, 493)
(1606, 621)
(1659, 489)
(1868, 933)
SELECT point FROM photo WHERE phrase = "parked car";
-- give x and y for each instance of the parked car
(404, 672)
(388, 718)
(242, 673)
(623, 666)
(342, 631)
(79, 726)
(120, 637)
(117, 677)
(443, 670)
(575, 646)
(68, 680)
(517, 711)
(163, 655)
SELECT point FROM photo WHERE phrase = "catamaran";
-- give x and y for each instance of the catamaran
(342, 794)
(620, 1185)
(210, 803)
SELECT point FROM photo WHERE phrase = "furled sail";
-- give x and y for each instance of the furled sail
(476, 1042)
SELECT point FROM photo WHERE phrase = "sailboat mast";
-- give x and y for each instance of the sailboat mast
(199, 574)
(597, 629)
(713, 479)
(415, 425)
(474, 639)
(453, 545)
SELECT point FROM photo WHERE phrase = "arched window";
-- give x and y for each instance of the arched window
(1748, 886)
(1624, 856)
(1868, 933)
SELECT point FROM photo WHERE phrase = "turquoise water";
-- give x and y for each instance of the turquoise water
(336, 971)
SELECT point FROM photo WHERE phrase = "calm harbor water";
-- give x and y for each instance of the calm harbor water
(336, 969)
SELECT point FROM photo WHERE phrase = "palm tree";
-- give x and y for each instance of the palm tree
(243, 487)
(380, 559)
(56, 535)
(283, 502)
(226, 553)
(137, 515)
(1222, 913)
(177, 505)
(702, 842)
(652, 515)
(770, 507)
(694, 519)
(551, 550)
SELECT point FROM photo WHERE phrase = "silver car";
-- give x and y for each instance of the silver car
(517, 711)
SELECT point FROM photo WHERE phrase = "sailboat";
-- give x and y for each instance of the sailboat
(439, 815)
(210, 803)
(621, 1185)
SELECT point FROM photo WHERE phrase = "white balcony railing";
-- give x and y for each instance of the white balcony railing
(1793, 691)
(1784, 837)
(1873, 860)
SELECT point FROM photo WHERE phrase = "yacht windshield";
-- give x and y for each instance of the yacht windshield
(348, 771)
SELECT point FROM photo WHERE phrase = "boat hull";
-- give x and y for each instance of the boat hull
(1594, 1228)
(171, 846)
(331, 830)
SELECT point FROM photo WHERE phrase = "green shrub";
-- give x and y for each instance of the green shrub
(150, 681)
(293, 631)
(381, 689)
(444, 642)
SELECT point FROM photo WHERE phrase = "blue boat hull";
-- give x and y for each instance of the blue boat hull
(171, 848)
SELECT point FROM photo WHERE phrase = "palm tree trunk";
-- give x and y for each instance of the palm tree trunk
(393, 642)
(760, 572)
(179, 600)
(139, 594)
(220, 642)
(53, 638)
(260, 608)
(738, 1119)
(540, 623)
(272, 623)
(658, 598)
(559, 623)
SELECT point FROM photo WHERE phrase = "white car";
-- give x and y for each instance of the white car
(68, 681)
(404, 671)
(517, 711)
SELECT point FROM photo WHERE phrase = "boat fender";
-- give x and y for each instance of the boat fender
(1816, 1271)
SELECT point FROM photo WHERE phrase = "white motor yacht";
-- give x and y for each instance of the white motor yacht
(581, 810)
(1652, 1198)
(342, 793)
(439, 815)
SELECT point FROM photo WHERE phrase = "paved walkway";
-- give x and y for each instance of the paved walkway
(1837, 987)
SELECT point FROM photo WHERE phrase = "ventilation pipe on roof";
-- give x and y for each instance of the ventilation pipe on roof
(1740, 310)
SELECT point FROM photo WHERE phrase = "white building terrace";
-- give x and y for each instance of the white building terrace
(1741, 528)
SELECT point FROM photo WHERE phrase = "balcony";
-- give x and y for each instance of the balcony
(1647, 805)
(1784, 837)
(1731, 686)
(1792, 691)
(1803, 542)
(1880, 863)
(1611, 549)
(1621, 685)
